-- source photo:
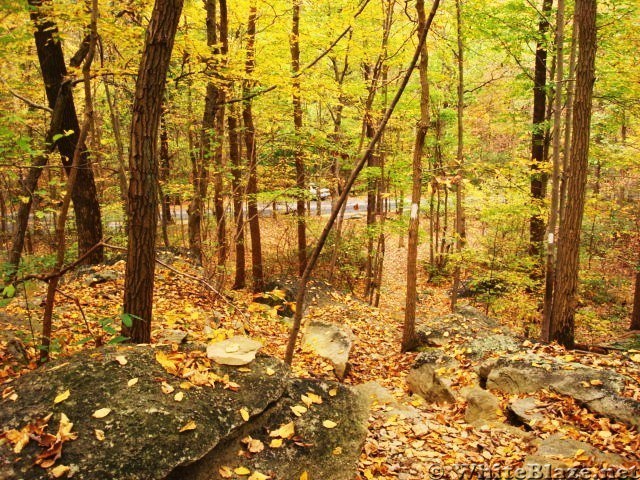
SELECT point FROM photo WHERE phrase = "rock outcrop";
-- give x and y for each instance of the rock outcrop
(156, 413)
(332, 342)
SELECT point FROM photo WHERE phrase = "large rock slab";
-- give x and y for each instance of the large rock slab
(174, 390)
(597, 389)
(483, 408)
(558, 452)
(237, 350)
(330, 341)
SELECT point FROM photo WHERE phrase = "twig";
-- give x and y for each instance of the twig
(77, 302)
(30, 103)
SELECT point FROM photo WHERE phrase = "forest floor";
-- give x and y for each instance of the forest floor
(398, 446)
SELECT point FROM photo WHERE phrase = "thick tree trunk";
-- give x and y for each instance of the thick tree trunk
(566, 281)
(143, 168)
(539, 178)
(252, 159)
(84, 194)
(408, 332)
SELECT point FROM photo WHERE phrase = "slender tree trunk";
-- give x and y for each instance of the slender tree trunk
(165, 204)
(409, 330)
(84, 195)
(294, 44)
(555, 183)
(566, 280)
(47, 317)
(635, 314)
(460, 227)
(539, 178)
(302, 284)
(143, 168)
(238, 213)
(252, 159)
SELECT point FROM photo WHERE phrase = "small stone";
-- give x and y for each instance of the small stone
(244, 353)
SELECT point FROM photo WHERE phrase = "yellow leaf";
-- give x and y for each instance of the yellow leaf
(244, 370)
(167, 363)
(595, 382)
(186, 385)
(132, 382)
(17, 438)
(178, 397)
(99, 434)
(190, 425)
(304, 476)
(62, 396)
(166, 388)
(285, 431)
(253, 444)
(244, 413)
(368, 475)
(258, 476)
(333, 392)
(314, 398)
(329, 424)
(64, 430)
(337, 451)
(101, 413)
(59, 471)
(636, 357)
(121, 359)
(275, 443)
(604, 434)
(298, 410)
(225, 472)
(270, 371)
(241, 471)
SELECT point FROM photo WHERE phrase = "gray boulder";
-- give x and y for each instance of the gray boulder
(332, 342)
(524, 411)
(597, 389)
(180, 415)
(558, 452)
(483, 408)
(423, 380)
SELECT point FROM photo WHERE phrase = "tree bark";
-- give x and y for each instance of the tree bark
(460, 227)
(294, 44)
(143, 168)
(555, 183)
(409, 329)
(54, 71)
(252, 159)
(635, 314)
(238, 212)
(539, 178)
(566, 281)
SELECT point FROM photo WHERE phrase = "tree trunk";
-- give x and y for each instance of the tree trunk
(294, 44)
(538, 177)
(460, 226)
(555, 184)
(252, 159)
(143, 168)
(635, 315)
(238, 213)
(84, 194)
(565, 285)
(408, 332)
(165, 204)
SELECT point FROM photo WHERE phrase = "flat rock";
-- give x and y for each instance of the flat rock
(237, 350)
(142, 437)
(525, 411)
(559, 452)
(375, 394)
(330, 341)
(483, 408)
(424, 381)
(171, 336)
(597, 389)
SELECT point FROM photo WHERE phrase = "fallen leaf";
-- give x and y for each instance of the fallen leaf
(253, 444)
(178, 397)
(635, 358)
(101, 413)
(121, 359)
(304, 476)
(225, 472)
(298, 410)
(314, 398)
(595, 382)
(241, 471)
(166, 388)
(190, 425)
(132, 382)
(18, 438)
(333, 392)
(60, 470)
(285, 431)
(99, 434)
(337, 451)
(244, 413)
(329, 424)
(62, 396)
(275, 443)
(270, 371)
